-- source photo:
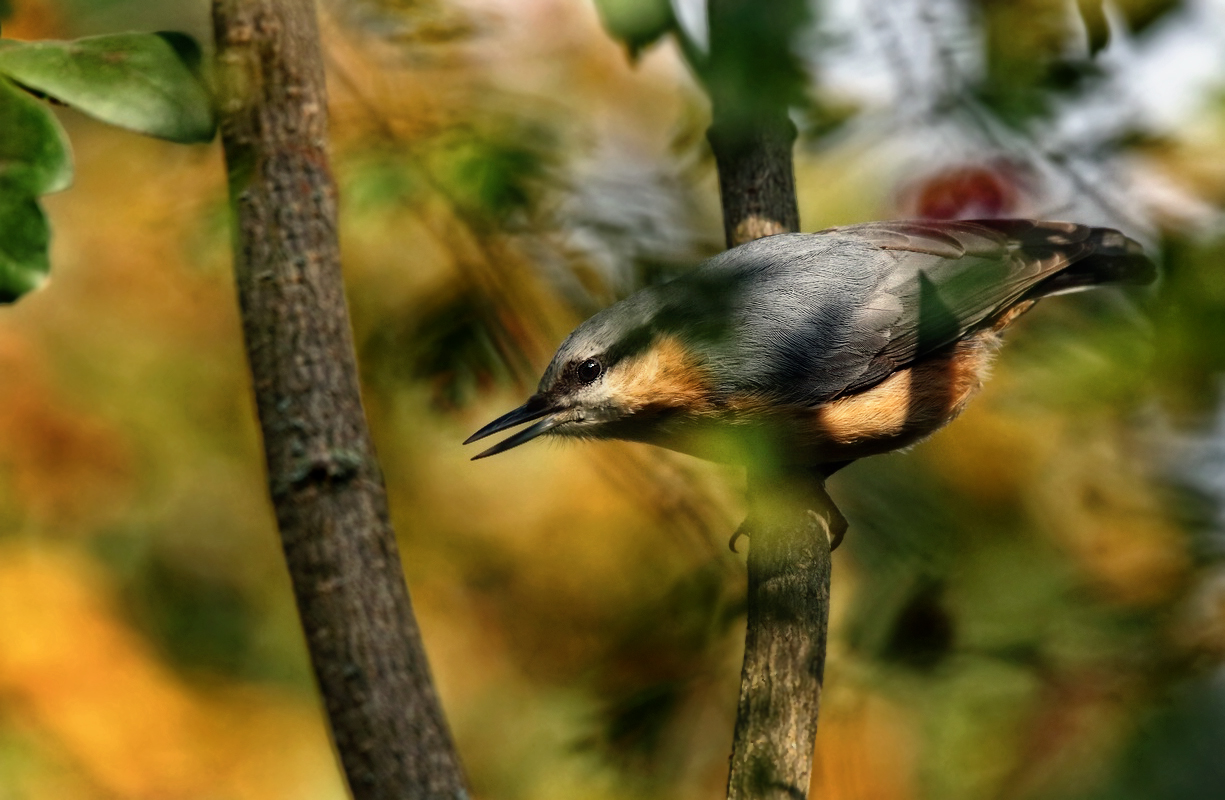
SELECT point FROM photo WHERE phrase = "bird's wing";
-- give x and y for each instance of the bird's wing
(836, 312)
(957, 276)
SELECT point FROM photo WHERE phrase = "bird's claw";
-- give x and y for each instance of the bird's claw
(741, 531)
(835, 529)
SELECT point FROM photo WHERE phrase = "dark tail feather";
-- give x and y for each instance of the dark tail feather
(1097, 255)
(1109, 257)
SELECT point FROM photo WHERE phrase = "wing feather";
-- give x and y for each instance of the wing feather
(956, 277)
(833, 313)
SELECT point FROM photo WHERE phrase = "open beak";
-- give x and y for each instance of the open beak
(534, 409)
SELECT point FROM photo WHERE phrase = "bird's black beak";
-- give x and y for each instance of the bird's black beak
(535, 408)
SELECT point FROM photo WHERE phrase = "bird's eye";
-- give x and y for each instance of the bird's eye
(589, 370)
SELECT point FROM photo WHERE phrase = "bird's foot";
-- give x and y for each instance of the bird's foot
(743, 530)
(835, 528)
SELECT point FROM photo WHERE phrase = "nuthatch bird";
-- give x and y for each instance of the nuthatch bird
(828, 347)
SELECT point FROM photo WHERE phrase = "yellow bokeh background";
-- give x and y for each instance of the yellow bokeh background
(582, 614)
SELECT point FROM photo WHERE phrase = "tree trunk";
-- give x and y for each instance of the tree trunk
(325, 482)
(789, 555)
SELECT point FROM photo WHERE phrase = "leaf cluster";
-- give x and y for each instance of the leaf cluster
(150, 83)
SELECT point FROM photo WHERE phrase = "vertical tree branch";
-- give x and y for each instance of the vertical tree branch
(325, 482)
(756, 177)
(784, 643)
(752, 77)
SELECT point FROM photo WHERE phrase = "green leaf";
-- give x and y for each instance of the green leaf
(638, 23)
(145, 82)
(24, 237)
(34, 153)
(34, 159)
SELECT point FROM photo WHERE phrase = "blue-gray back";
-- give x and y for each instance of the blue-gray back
(804, 318)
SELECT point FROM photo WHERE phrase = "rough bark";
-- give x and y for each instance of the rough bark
(751, 77)
(784, 644)
(789, 553)
(325, 482)
(756, 177)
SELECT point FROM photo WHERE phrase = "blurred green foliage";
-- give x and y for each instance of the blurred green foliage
(1176, 752)
(1026, 606)
(490, 179)
(1188, 326)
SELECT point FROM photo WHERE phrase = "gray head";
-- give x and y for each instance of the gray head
(671, 348)
(620, 364)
